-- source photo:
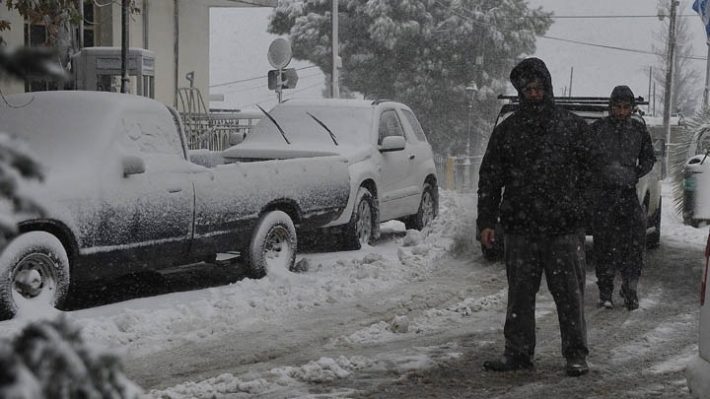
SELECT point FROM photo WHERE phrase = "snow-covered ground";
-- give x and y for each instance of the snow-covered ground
(377, 313)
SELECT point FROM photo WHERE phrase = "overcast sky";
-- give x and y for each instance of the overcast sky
(239, 43)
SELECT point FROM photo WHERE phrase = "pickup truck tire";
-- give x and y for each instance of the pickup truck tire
(273, 244)
(359, 229)
(654, 239)
(34, 272)
(427, 210)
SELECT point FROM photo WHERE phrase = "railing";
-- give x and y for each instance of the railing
(211, 129)
(214, 130)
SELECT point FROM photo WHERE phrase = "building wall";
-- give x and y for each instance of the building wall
(179, 48)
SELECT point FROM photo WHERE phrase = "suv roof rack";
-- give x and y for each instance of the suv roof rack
(576, 100)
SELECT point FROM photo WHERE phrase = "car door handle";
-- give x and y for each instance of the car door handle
(411, 156)
(175, 189)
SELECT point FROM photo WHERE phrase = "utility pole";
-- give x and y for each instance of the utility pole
(707, 79)
(571, 74)
(650, 77)
(668, 91)
(124, 46)
(335, 88)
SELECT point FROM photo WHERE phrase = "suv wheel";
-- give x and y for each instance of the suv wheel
(359, 230)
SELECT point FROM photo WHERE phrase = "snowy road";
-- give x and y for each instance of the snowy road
(405, 318)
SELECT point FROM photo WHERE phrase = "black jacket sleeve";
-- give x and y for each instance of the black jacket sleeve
(491, 181)
(647, 157)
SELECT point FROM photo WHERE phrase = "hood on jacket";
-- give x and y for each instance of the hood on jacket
(622, 94)
(528, 70)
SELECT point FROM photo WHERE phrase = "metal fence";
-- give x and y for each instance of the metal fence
(214, 130)
(211, 129)
(458, 173)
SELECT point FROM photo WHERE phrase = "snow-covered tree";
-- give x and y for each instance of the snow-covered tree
(423, 53)
(49, 359)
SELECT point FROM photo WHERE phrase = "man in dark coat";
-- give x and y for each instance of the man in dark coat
(625, 153)
(532, 177)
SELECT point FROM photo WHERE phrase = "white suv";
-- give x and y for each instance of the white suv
(392, 172)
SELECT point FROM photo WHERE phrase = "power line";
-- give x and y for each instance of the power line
(606, 16)
(272, 98)
(263, 86)
(249, 3)
(254, 78)
(631, 50)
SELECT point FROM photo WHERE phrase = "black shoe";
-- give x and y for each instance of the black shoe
(631, 299)
(576, 367)
(507, 363)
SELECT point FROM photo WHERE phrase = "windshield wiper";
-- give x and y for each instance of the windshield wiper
(330, 132)
(275, 123)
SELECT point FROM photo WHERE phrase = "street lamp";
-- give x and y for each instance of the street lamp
(467, 162)
(470, 90)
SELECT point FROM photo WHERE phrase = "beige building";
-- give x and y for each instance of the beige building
(175, 31)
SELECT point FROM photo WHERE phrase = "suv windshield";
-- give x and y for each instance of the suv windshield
(349, 125)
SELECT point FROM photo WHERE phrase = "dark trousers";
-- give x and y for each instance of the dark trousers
(562, 260)
(619, 230)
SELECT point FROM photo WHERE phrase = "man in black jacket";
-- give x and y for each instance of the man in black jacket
(625, 153)
(532, 177)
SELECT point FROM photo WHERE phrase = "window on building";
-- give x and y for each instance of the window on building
(89, 24)
(37, 34)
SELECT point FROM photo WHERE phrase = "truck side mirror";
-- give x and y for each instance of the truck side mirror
(392, 143)
(132, 165)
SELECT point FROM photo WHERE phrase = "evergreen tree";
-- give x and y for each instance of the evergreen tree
(422, 53)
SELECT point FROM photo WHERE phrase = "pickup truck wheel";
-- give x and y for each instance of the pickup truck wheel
(654, 239)
(34, 274)
(427, 210)
(359, 230)
(273, 244)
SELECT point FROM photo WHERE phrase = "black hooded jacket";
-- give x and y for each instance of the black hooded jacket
(536, 165)
(623, 148)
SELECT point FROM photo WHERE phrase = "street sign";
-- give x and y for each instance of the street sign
(289, 78)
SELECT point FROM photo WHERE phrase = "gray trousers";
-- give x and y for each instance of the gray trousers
(562, 260)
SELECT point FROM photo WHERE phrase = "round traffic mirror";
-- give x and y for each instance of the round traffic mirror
(279, 54)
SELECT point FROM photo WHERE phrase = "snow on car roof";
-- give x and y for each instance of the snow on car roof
(64, 126)
(333, 102)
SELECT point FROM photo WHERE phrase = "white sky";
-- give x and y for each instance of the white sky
(239, 43)
(598, 70)
(238, 46)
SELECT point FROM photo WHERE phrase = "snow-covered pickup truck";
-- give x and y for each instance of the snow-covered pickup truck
(648, 188)
(123, 194)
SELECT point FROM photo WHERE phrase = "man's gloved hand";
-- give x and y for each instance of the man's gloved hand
(618, 175)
